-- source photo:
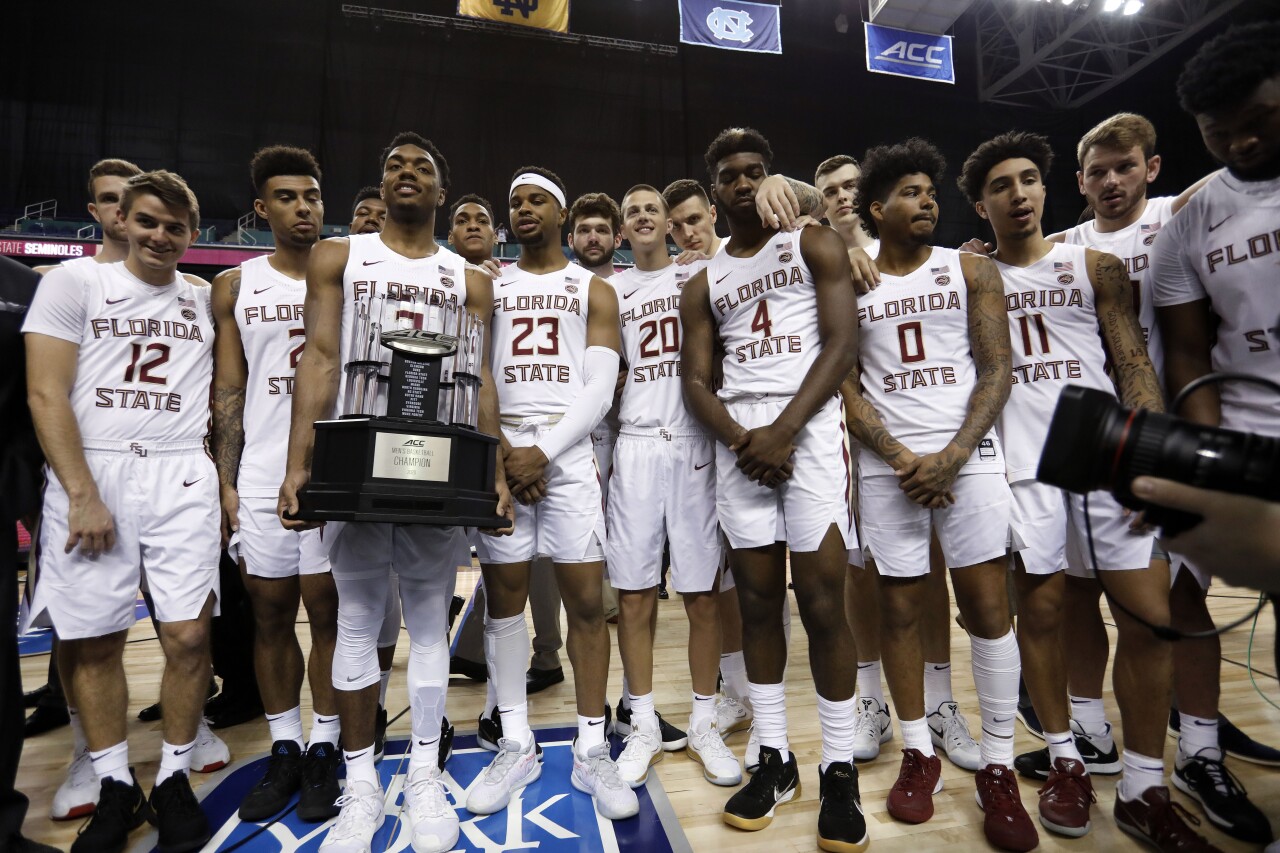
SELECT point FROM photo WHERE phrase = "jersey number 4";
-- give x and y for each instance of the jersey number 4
(143, 371)
(524, 326)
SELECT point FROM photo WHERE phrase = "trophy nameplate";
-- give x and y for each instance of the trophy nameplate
(407, 449)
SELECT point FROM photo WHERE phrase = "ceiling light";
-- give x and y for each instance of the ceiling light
(1112, 5)
(1132, 7)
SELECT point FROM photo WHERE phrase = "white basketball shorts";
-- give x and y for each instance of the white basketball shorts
(361, 550)
(1049, 531)
(663, 487)
(164, 502)
(802, 509)
(269, 550)
(602, 446)
(973, 530)
(567, 525)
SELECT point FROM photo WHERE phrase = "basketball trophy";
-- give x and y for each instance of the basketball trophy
(407, 448)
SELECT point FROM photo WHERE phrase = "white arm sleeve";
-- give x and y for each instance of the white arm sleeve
(600, 372)
(58, 308)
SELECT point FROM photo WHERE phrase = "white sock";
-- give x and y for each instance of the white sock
(78, 743)
(428, 682)
(113, 763)
(490, 693)
(1062, 745)
(1140, 773)
(915, 735)
(996, 666)
(837, 722)
(703, 709)
(869, 686)
(1089, 714)
(769, 703)
(325, 729)
(507, 650)
(590, 733)
(642, 711)
(937, 686)
(174, 759)
(287, 725)
(384, 678)
(360, 767)
(425, 752)
(733, 669)
(1197, 735)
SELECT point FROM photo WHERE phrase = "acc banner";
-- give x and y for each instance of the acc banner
(907, 54)
(543, 14)
(731, 25)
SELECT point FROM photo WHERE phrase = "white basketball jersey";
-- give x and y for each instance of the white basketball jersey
(269, 315)
(375, 270)
(145, 352)
(1133, 245)
(1053, 326)
(767, 312)
(649, 304)
(539, 339)
(1225, 246)
(917, 368)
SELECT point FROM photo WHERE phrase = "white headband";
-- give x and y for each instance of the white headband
(539, 181)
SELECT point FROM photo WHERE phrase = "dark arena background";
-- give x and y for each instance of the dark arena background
(619, 99)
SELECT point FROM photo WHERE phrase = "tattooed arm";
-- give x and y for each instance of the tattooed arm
(1113, 301)
(863, 422)
(230, 377)
(781, 201)
(935, 473)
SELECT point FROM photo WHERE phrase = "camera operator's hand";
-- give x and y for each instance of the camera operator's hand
(1239, 539)
(927, 479)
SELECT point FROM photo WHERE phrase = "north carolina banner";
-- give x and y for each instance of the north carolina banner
(731, 25)
(543, 14)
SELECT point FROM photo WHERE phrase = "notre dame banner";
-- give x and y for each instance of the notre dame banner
(543, 14)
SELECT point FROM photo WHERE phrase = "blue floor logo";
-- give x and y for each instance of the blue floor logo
(549, 816)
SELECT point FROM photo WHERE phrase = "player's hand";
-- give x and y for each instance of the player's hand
(691, 256)
(807, 221)
(229, 498)
(777, 204)
(90, 525)
(978, 246)
(524, 466)
(492, 267)
(866, 275)
(763, 454)
(927, 479)
(287, 504)
(533, 493)
(505, 509)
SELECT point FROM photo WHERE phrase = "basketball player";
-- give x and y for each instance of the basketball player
(257, 308)
(836, 180)
(1217, 308)
(122, 359)
(402, 261)
(931, 389)
(1059, 298)
(106, 187)
(555, 355)
(693, 220)
(783, 309)
(663, 487)
(369, 213)
(1117, 163)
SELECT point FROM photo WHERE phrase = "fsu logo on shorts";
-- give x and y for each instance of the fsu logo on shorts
(188, 314)
(942, 280)
(572, 288)
(1066, 278)
(445, 281)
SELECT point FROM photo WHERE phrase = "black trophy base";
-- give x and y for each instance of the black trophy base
(396, 471)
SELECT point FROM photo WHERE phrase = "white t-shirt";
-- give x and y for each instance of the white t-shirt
(1224, 246)
(145, 360)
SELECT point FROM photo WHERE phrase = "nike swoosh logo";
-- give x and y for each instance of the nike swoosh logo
(192, 483)
(700, 467)
(371, 263)
(264, 290)
(1004, 720)
(595, 722)
(123, 298)
(629, 295)
(937, 668)
(184, 751)
(357, 755)
(1213, 228)
(723, 277)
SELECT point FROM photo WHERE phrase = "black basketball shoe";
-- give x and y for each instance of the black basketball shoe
(773, 784)
(842, 827)
(277, 785)
(180, 820)
(317, 801)
(121, 809)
